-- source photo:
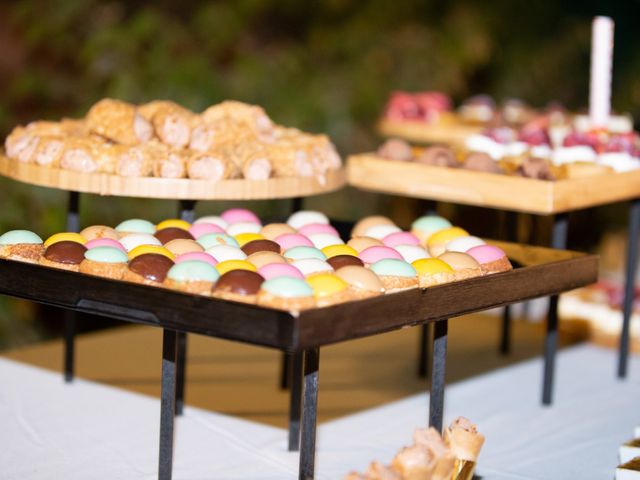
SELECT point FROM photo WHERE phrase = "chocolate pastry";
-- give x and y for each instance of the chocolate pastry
(151, 266)
(396, 149)
(340, 261)
(172, 233)
(535, 168)
(438, 157)
(256, 246)
(481, 162)
(65, 252)
(241, 282)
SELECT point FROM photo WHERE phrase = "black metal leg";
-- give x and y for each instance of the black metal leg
(285, 371)
(558, 240)
(438, 364)
(181, 367)
(423, 364)
(511, 234)
(73, 225)
(295, 399)
(187, 213)
(629, 285)
(167, 404)
(309, 414)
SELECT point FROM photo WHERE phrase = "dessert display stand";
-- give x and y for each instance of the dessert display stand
(538, 272)
(516, 194)
(187, 192)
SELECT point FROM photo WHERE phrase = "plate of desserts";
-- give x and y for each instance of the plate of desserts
(160, 149)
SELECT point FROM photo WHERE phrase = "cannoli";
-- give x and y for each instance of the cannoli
(49, 151)
(139, 160)
(237, 114)
(172, 123)
(213, 165)
(21, 144)
(252, 160)
(173, 165)
(119, 122)
(465, 443)
(290, 160)
(88, 155)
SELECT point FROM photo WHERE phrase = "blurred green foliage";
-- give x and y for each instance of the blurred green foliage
(325, 66)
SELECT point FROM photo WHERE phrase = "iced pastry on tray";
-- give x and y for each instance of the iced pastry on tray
(231, 256)
(163, 139)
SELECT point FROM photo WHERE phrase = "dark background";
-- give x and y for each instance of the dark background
(324, 66)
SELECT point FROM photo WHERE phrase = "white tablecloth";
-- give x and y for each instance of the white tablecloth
(89, 431)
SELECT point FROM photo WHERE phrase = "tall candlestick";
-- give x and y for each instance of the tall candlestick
(601, 63)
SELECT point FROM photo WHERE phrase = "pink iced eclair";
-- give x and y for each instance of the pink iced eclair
(290, 240)
(273, 270)
(315, 228)
(200, 229)
(400, 238)
(237, 215)
(375, 254)
(198, 256)
(105, 242)
(491, 259)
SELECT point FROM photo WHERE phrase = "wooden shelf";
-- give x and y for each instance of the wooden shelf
(179, 189)
(541, 197)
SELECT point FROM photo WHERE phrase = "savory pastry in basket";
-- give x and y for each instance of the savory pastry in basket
(239, 286)
(107, 262)
(119, 122)
(172, 123)
(21, 245)
(192, 276)
(395, 275)
(286, 293)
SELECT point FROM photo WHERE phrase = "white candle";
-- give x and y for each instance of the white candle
(601, 63)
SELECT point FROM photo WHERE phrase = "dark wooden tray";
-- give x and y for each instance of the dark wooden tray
(539, 272)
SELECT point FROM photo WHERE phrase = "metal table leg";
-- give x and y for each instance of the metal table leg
(423, 364)
(511, 235)
(558, 240)
(438, 364)
(73, 225)
(187, 213)
(295, 399)
(167, 404)
(309, 414)
(629, 285)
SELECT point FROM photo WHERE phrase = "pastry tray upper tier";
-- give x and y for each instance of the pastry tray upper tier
(538, 272)
(506, 192)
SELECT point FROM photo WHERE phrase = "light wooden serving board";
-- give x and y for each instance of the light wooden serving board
(541, 197)
(179, 189)
(421, 132)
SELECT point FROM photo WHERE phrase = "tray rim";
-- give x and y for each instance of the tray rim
(247, 323)
(165, 188)
(529, 195)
